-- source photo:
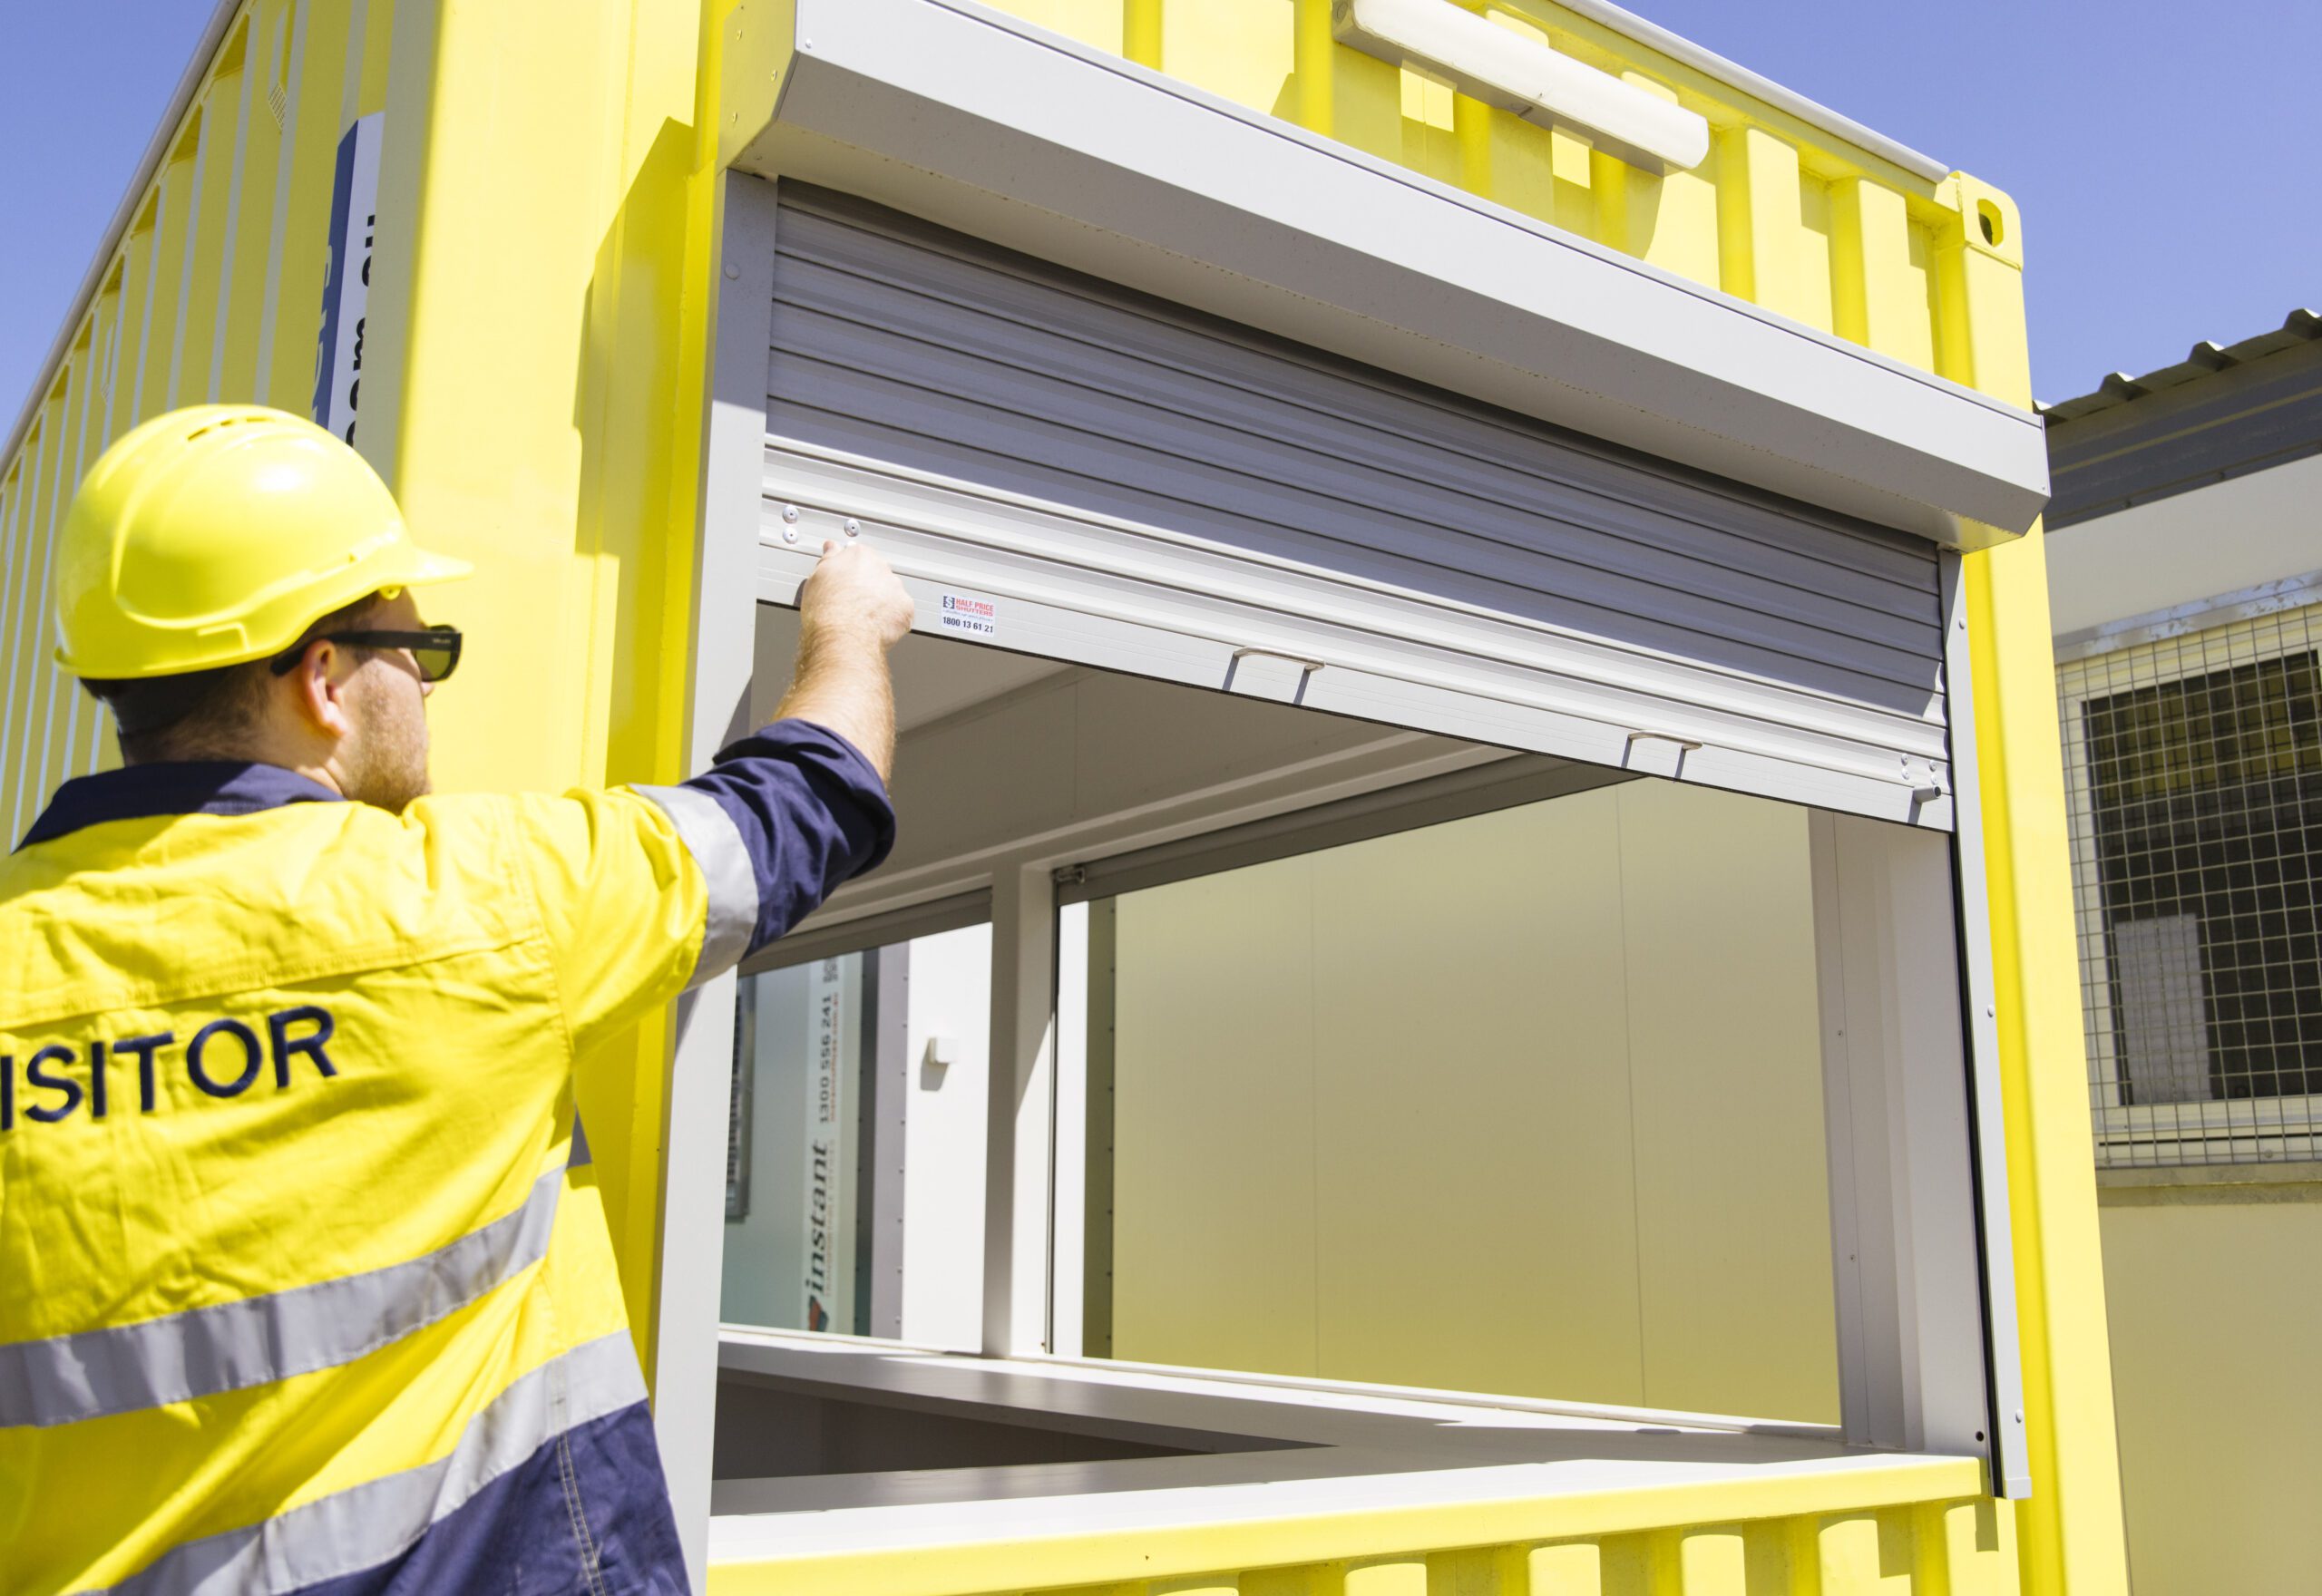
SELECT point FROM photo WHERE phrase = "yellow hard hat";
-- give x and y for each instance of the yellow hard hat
(219, 534)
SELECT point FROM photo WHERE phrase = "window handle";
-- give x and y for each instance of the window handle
(1309, 665)
(1687, 743)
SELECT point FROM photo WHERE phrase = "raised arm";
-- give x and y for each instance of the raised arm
(852, 611)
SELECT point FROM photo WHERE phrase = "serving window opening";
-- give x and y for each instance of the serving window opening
(1372, 1062)
(1418, 937)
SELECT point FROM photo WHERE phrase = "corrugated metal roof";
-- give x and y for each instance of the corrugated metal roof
(2300, 327)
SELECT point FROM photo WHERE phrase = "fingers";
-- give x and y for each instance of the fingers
(853, 585)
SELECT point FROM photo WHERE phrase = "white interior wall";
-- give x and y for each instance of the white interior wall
(950, 998)
(1529, 1102)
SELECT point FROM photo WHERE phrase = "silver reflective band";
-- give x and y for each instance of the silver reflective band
(232, 1345)
(365, 1525)
(710, 835)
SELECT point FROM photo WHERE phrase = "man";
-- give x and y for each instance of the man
(304, 1285)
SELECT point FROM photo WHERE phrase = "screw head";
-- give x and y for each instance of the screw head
(733, 274)
(790, 512)
(790, 534)
(853, 526)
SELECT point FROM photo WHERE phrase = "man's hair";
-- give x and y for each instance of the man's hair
(203, 714)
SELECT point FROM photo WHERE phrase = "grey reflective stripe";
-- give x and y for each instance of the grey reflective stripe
(232, 1345)
(716, 843)
(365, 1525)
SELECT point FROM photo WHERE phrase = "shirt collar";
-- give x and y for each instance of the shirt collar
(140, 792)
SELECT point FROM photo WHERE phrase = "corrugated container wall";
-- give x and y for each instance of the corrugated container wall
(186, 308)
(541, 293)
(1854, 235)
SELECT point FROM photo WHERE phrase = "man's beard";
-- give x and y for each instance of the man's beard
(387, 765)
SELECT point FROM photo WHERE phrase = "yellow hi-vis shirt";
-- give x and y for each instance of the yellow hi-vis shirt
(302, 1286)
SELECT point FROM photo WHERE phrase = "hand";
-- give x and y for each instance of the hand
(854, 591)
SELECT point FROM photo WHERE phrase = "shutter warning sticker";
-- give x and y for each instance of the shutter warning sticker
(978, 618)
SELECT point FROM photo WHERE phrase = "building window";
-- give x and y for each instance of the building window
(2195, 771)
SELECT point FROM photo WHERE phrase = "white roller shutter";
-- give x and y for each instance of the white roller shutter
(1066, 468)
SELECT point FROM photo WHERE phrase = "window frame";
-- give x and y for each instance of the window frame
(2168, 1135)
(1890, 1397)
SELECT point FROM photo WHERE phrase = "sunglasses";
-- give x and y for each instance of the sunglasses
(435, 651)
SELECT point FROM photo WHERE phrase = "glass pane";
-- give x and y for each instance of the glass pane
(1528, 1103)
(854, 1171)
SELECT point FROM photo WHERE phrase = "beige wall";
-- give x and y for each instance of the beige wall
(2216, 1309)
(1528, 1103)
(2231, 535)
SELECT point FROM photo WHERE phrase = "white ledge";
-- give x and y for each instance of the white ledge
(1353, 1451)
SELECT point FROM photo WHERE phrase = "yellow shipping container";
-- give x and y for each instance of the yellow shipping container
(554, 233)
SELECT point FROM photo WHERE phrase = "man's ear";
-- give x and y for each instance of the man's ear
(319, 687)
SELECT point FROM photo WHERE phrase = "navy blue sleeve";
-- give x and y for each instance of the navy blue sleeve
(811, 814)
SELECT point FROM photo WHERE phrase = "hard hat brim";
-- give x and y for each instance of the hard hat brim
(438, 568)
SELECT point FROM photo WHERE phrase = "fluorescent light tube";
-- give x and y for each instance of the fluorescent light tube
(1505, 69)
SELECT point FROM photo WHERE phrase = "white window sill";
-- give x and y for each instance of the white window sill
(1336, 1451)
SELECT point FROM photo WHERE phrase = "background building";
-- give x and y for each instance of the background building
(2185, 575)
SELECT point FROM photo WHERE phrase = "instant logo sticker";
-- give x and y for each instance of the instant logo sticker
(978, 618)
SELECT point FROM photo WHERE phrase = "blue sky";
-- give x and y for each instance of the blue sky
(2162, 154)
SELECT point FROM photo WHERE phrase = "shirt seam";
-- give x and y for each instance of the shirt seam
(553, 954)
(229, 980)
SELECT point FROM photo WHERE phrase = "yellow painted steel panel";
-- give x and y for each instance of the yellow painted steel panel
(134, 264)
(1774, 215)
(1868, 1534)
(15, 543)
(1242, 49)
(250, 219)
(373, 22)
(203, 274)
(26, 667)
(1098, 23)
(297, 261)
(55, 691)
(2071, 1526)
(166, 285)
(1387, 1576)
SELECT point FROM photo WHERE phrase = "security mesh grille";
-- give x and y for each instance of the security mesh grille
(2194, 768)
